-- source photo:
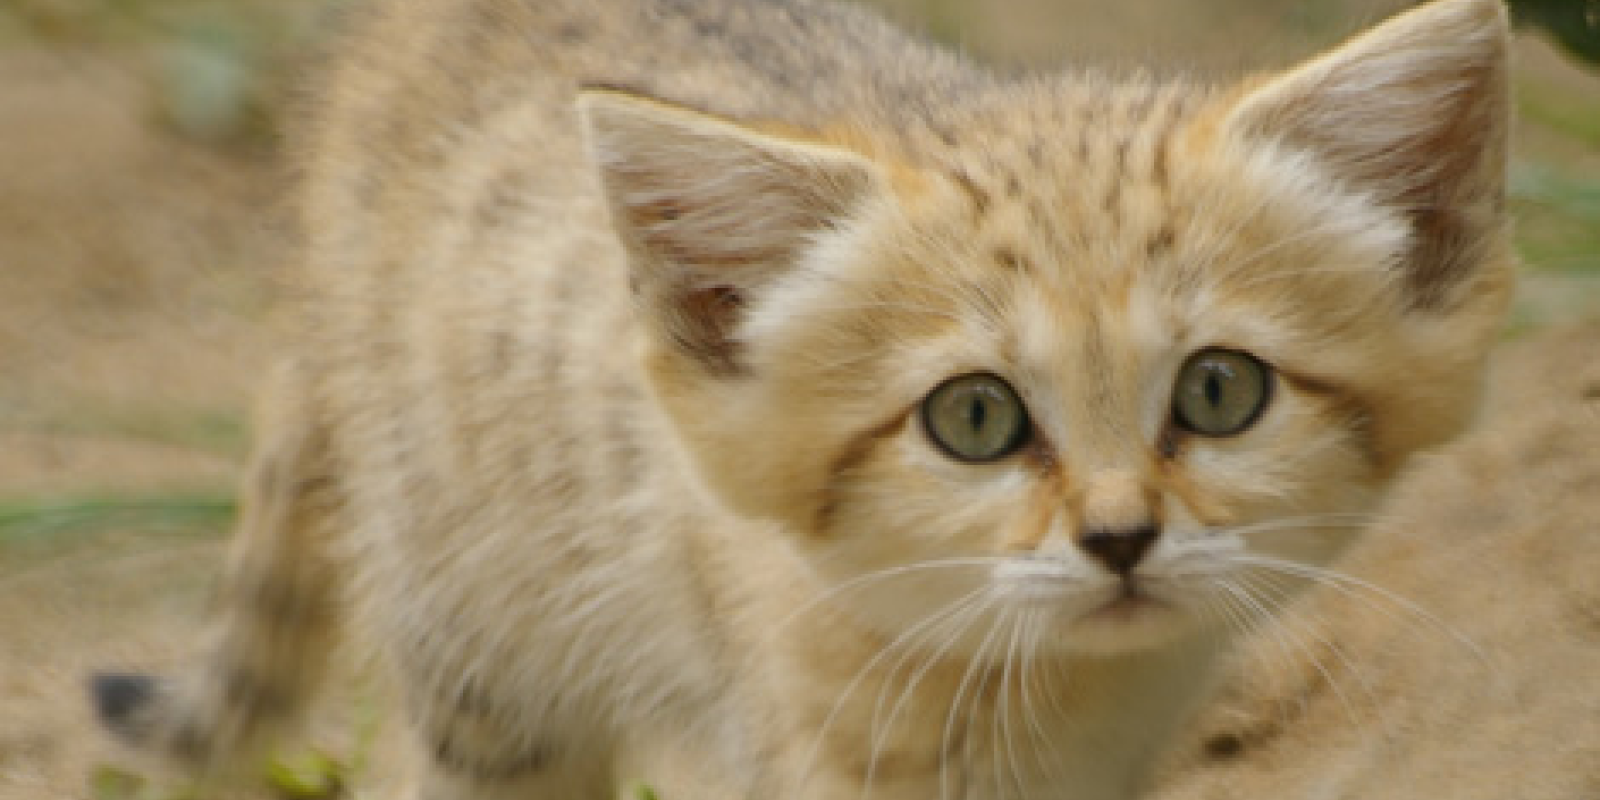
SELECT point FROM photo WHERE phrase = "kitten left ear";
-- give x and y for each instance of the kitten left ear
(711, 210)
(1414, 114)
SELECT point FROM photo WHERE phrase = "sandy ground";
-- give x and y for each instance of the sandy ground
(133, 266)
(127, 268)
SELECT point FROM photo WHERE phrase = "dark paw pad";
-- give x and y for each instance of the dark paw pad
(119, 697)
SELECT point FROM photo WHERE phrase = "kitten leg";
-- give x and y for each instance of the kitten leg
(278, 607)
(454, 772)
(478, 745)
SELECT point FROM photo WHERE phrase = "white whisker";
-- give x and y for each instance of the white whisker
(971, 608)
(1306, 650)
(951, 717)
(1352, 586)
(1350, 666)
(866, 669)
(860, 581)
(1252, 624)
(1036, 733)
(1004, 700)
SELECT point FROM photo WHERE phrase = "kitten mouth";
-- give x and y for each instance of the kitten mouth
(1131, 601)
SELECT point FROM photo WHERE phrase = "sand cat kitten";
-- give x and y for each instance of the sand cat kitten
(747, 375)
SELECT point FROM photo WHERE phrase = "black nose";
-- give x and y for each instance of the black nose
(1119, 549)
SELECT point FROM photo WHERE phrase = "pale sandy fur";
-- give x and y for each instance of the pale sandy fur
(574, 518)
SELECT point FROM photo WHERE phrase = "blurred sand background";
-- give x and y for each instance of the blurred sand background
(140, 233)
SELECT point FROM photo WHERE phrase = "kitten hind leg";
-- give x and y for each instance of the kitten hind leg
(278, 608)
(474, 748)
(454, 772)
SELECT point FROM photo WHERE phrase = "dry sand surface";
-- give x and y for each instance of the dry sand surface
(132, 271)
(124, 290)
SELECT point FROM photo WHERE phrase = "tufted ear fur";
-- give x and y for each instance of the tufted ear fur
(1413, 114)
(711, 211)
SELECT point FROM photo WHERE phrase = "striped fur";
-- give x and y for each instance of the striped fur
(600, 414)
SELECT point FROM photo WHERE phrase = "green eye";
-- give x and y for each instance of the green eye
(975, 417)
(1221, 392)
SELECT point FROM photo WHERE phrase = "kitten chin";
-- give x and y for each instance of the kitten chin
(1126, 626)
(1110, 616)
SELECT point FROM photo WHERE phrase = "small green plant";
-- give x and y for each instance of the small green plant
(307, 776)
(1558, 219)
(107, 782)
(34, 520)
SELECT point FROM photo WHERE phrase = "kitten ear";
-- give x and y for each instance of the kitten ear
(1414, 114)
(711, 210)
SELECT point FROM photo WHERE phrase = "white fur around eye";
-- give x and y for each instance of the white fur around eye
(1003, 481)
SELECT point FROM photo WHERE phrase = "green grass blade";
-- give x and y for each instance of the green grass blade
(28, 520)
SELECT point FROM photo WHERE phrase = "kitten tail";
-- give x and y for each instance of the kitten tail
(274, 622)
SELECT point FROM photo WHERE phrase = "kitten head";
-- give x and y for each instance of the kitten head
(1102, 360)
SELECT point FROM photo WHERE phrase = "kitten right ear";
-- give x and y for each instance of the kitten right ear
(1414, 114)
(712, 211)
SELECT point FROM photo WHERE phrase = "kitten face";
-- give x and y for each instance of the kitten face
(1092, 337)
(1117, 363)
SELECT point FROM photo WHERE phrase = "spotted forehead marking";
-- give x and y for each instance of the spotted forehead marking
(1081, 183)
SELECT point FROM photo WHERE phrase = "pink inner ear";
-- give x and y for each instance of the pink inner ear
(712, 211)
(719, 298)
(715, 238)
(701, 324)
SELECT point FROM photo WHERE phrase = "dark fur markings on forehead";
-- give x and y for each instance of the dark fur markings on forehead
(1011, 260)
(1173, 112)
(1083, 150)
(1161, 241)
(976, 194)
(1159, 169)
(1119, 168)
(1048, 224)
(1139, 152)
